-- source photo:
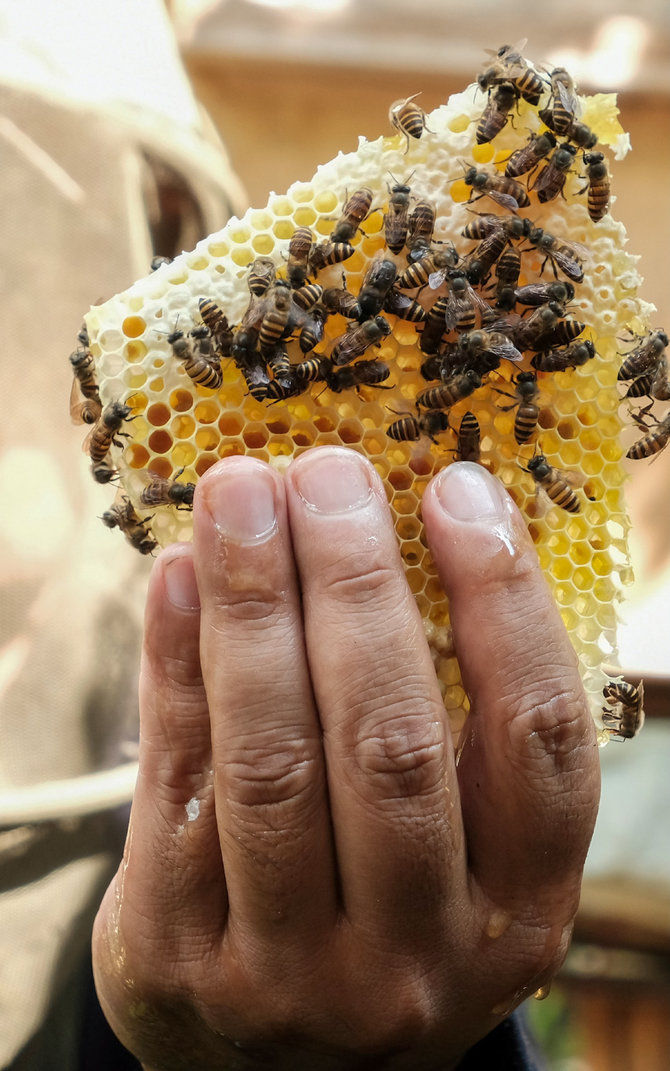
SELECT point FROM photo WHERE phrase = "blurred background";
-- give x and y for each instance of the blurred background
(286, 85)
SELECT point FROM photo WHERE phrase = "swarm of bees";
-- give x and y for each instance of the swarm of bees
(494, 309)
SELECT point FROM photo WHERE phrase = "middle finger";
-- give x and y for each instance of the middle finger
(389, 755)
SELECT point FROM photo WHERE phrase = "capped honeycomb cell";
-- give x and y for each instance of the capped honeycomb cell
(380, 313)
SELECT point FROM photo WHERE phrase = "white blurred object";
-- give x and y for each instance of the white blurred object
(97, 54)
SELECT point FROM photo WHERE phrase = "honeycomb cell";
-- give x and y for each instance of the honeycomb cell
(263, 244)
(160, 466)
(255, 436)
(160, 441)
(133, 326)
(137, 456)
(159, 414)
(183, 427)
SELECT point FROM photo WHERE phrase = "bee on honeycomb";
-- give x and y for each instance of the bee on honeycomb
(401, 351)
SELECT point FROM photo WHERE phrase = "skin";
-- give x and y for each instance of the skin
(347, 897)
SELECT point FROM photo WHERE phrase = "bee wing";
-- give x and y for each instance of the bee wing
(504, 199)
(507, 350)
(569, 99)
(435, 279)
(86, 445)
(575, 479)
(544, 179)
(478, 301)
(77, 403)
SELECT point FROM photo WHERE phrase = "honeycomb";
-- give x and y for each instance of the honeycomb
(176, 428)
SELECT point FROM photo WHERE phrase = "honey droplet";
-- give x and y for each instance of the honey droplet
(499, 921)
(543, 992)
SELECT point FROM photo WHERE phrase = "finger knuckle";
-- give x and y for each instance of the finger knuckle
(402, 755)
(251, 604)
(356, 576)
(552, 733)
(271, 779)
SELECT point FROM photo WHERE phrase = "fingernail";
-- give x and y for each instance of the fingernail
(180, 584)
(468, 493)
(332, 480)
(242, 504)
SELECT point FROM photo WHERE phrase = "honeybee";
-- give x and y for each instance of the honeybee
(353, 214)
(262, 273)
(623, 717)
(408, 118)
(486, 224)
(578, 133)
(286, 384)
(328, 252)
(468, 442)
(479, 262)
(471, 344)
(404, 307)
(85, 405)
(510, 66)
(527, 410)
(358, 339)
(299, 248)
(396, 218)
(463, 303)
(496, 113)
(645, 357)
(216, 320)
(377, 282)
(306, 297)
(122, 515)
(568, 256)
(435, 327)
(561, 360)
(429, 270)
(256, 377)
(278, 361)
(311, 370)
(654, 441)
(545, 329)
(562, 333)
(458, 386)
(338, 299)
(420, 227)
(500, 188)
(275, 322)
(162, 492)
(535, 294)
(660, 382)
(551, 179)
(530, 155)
(565, 106)
(598, 185)
(312, 331)
(555, 483)
(197, 365)
(410, 428)
(654, 384)
(360, 374)
(508, 269)
(105, 432)
(103, 472)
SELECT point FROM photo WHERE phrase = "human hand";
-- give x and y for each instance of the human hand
(309, 880)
